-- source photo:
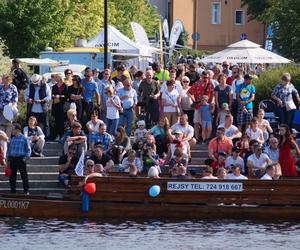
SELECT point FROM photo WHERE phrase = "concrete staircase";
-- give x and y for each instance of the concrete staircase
(43, 171)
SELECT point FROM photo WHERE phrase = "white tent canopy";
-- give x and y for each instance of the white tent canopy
(245, 51)
(39, 62)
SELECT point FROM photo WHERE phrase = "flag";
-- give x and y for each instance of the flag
(80, 165)
(175, 33)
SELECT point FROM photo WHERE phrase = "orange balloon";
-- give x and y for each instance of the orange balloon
(90, 188)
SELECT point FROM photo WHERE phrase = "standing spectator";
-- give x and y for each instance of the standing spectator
(223, 93)
(186, 100)
(198, 89)
(283, 94)
(113, 107)
(132, 71)
(238, 80)
(21, 79)
(226, 70)
(59, 97)
(205, 111)
(102, 85)
(18, 151)
(36, 137)
(8, 96)
(272, 150)
(148, 92)
(219, 143)
(160, 74)
(3, 147)
(75, 95)
(68, 77)
(128, 99)
(118, 76)
(38, 96)
(171, 102)
(286, 158)
(192, 74)
(90, 89)
(245, 97)
(257, 162)
(138, 78)
(217, 72)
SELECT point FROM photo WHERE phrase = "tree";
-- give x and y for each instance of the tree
(28, 26)
(284, 17)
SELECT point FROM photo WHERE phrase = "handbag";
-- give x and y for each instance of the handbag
(7, 171)
(290, 105)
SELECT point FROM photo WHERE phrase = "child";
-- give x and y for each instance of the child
(220, 163)
(222, 114)
(140, 132)
(206, 118)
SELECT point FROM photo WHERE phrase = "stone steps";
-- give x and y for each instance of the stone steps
(35, 176)
(34, 184)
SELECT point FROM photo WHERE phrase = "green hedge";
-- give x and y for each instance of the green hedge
(269, 79)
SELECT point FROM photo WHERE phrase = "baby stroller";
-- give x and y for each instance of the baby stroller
(270, 109)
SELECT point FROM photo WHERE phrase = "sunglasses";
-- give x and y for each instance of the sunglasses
(185, 81)
(68, 73)
(90, 166)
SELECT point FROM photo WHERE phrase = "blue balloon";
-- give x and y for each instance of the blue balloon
(154, 191)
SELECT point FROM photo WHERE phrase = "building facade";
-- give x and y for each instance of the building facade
(218, 22)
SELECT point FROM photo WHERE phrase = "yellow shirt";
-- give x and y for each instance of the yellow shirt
(125, 73)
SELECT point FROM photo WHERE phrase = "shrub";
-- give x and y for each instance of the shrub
(269, 79)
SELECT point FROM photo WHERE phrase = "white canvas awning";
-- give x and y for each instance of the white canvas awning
(39, 62)
(245, 52)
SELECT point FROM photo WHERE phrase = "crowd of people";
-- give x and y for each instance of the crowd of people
(145, 121)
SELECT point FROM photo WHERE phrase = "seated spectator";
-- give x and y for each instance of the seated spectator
(89, 170)
(220, 163)
(93, 126)
(67, 164)
(236, 173)
(257, 162)
(254, 132)
(272, 150)
(120, 146)
(150, 140)
(221, 173)
(140, 132)
(178, 142)
(185, 128)
(231, 131)
(131, 159)
(103, 138)
(71, 118)
(153, 173)
(270, 173)
(150, 158)
(102, 159)
(77, 138)
(219, 143)
(178, 159)
(244, 145)
(208, 173)
(36, 137)
(3, 147)
(263, 124)
(182, 172)
(174, 171)
(235, 159)
(160, 133)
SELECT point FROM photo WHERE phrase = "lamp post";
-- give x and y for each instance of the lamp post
(105, 33)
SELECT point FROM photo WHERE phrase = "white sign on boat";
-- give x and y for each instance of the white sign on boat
(205, 186)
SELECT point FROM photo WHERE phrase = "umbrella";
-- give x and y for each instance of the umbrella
(245, 51)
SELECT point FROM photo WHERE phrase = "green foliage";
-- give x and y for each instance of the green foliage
(5, 63)
(284, 16)
(28, 26)
(183, 38)
(267, 81)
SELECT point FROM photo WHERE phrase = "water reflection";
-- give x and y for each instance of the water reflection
(17, 233)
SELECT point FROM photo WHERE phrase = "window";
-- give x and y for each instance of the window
(216, 13)
(239, 17)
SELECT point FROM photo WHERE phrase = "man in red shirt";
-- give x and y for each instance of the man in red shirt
(197, 90)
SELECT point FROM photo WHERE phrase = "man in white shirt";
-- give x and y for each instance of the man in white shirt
(231, 131)
(186, 129)
(270, 173)
(257, 162)
(235, 159)
(236, 174)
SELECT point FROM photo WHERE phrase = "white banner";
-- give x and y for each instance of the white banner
(140, 34)
(205, 186)
(175, 33)
(80, 165)
(166, 29)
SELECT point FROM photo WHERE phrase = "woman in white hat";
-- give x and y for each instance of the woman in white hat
(8, 96)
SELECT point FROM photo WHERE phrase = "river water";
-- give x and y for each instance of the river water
(16, 233)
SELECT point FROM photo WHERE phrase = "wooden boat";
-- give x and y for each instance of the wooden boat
(124, 197)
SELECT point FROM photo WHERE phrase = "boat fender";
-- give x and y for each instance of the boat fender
(85, 202)
(90, 188)
(154, 191)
